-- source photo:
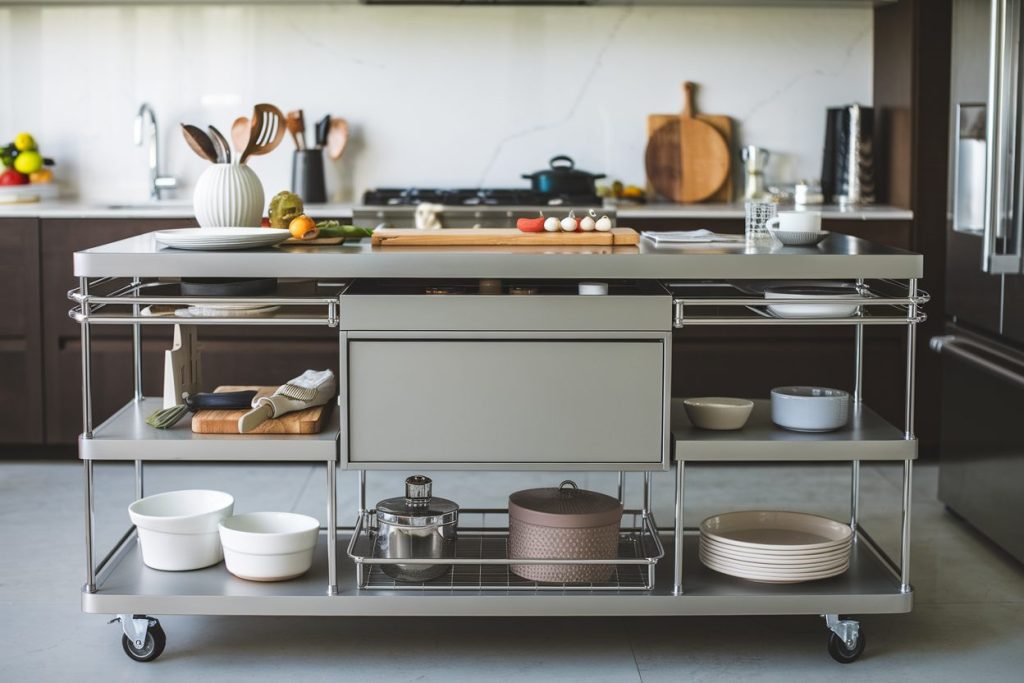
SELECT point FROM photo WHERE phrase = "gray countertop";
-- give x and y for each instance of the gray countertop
(838, 256)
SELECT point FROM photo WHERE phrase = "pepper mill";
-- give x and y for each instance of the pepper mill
(754, 160)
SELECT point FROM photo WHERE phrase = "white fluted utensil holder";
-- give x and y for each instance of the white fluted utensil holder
(228, 196)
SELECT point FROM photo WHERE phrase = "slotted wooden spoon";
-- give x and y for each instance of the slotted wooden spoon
(267, 131)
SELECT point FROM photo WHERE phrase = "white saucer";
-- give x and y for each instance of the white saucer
(798, 238)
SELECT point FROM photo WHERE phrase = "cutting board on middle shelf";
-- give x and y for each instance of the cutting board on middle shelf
(500, 237)
(720, 122)
(308, 421)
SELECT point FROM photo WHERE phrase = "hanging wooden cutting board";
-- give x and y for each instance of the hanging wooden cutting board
(499, 237)
(723, 124)
(687, 157)
(308, 421)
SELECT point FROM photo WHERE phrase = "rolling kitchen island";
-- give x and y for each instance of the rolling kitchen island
(405, 355)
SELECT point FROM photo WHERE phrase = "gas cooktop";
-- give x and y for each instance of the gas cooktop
(474, 197)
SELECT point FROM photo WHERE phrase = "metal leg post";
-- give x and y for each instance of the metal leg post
(137, 374)
(677, 566)
(90, 567)
(908, 482)
(908, 465)
(858, 400)
(332, 530)
(647, 493)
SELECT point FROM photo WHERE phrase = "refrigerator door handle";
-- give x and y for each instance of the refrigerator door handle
(1000, 132)
(966, 351)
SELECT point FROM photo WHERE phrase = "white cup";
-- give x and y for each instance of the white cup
(796, 221)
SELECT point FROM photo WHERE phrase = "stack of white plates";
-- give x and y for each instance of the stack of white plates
(221, 239)
(772, 546)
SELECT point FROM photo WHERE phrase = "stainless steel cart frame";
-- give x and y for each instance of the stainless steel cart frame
(874, 584)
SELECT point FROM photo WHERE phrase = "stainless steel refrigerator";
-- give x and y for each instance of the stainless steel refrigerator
(981, 471)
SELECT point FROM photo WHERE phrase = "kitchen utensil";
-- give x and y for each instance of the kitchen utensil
(308, 175)
(798, 221)
(754, 160)
(221, 144)
(416, 526)
(240, 129)
(178, 530)
(220, 239)
(756, 217)
(337, 139)
(267, 130)
(723, 124)
(269, 546)
(311, 388)
(793, 532)
(563, 523)
(795, 238)
(322, 126)
(200, 143)
(810, 409)
(687, 160)
(228, 400)
(563, 178)
(823, 310)
(181, 366)
(502, 237)
(718, 413)
(228, 287)
(296, 125)
(847, 172)
(224, 420)
(227, 196)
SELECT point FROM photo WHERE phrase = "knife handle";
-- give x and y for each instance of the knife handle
(254, 418)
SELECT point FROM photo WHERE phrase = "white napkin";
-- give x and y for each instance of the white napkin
(311, 388)
(689, 236)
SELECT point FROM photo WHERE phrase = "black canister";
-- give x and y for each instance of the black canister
(848, 163)
(308, 175)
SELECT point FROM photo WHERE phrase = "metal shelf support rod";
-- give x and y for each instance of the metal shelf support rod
(332, 529)
(677, 550)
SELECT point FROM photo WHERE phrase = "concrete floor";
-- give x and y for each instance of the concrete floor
(968, 621)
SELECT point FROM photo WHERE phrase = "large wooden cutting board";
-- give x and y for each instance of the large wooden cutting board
(667, 162)
(499, 237)
(309, 421)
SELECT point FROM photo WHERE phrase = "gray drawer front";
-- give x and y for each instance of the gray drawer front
(483, 312)
(506, 401)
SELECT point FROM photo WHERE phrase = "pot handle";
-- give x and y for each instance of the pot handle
(568, 487)
(567, 162)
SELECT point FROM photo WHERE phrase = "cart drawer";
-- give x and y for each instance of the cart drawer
(510, 401)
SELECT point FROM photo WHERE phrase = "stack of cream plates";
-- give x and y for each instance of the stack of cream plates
(221, 239)
(772, 546)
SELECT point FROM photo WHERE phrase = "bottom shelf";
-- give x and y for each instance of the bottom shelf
(127, 586)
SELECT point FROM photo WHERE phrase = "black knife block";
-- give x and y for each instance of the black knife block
(308, 176)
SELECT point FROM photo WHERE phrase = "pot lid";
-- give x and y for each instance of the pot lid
(566, 506)
(418, 507)
(563, 166)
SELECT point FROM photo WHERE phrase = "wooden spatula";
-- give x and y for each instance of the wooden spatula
(267, 131)
(240, 130)
(337, 138)
(296, 124)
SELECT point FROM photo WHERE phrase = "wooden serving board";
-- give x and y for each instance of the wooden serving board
(499, 237)
(319, 241)
(309, 421)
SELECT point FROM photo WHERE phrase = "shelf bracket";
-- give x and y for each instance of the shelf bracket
(848, 630)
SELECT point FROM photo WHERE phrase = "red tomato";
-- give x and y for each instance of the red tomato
(531, 224)
(12, 177)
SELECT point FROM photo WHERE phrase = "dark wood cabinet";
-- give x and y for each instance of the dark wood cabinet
(21, 370)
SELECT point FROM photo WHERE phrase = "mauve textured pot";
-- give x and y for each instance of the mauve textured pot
(564, 523)
(228, 196)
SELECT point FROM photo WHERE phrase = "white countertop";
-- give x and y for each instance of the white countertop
(183, 209)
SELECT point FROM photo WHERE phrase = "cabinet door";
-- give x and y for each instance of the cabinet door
(21, 370)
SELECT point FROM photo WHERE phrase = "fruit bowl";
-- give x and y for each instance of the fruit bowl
(28, 193)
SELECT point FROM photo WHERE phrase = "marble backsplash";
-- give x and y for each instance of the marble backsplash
(436, 96)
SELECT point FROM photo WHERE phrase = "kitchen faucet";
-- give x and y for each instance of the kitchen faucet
(157, 182)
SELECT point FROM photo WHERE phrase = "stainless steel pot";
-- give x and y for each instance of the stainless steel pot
(416, 526)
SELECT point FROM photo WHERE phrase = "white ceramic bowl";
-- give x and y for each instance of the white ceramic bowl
(178, 529)
(810, 409)
(269, 546)
(798, 238)
(717, 412)
(824, 310)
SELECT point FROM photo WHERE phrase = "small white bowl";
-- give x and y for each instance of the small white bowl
(178, 529)
(269, 546)
(798, 238)
(717, 412)
(810, 409)
(823, 310)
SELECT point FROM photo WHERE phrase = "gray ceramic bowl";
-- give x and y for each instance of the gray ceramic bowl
(810, 409)
(798, 238)
(719, 413)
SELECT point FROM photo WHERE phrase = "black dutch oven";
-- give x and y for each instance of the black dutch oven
(563, 178)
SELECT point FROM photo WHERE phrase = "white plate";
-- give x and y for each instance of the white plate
(774, 568)
(775, 530)
(217, 239)
(787, 559)
(773, 571)
(221, 312)
(769, 577)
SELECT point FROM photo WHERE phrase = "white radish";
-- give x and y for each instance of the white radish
(603, 224)
(551, 224)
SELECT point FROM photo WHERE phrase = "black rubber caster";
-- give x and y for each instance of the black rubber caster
(842, 654)
(152, 648)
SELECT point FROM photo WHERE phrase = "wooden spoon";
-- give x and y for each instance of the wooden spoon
(337, 138)
(267, 131)
(240, 133)
(223, 148)
(200, 142)
(297, 127)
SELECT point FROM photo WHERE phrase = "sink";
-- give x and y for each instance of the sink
(169, 204)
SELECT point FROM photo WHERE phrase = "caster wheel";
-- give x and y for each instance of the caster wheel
(842, 654)
(156, 640)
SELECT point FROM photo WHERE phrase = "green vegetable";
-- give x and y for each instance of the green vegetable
(336, 229)
(283, 208)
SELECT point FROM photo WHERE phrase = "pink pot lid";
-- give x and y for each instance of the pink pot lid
(567, 507)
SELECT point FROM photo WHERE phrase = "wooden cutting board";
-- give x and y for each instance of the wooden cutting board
(688, 156)
(499, 237)
(319, 241)
(309, 421)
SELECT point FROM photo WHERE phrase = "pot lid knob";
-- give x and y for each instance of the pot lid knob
(417, 490)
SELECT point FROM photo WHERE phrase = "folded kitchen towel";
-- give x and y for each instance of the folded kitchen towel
(311, 388)
(689, 237)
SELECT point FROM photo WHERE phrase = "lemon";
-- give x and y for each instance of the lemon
(28, 162)
(24, 142)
